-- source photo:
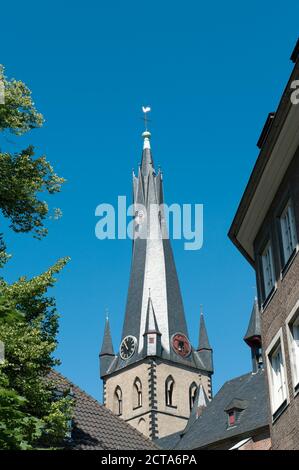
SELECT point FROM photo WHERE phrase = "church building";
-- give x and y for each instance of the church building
(152, 380)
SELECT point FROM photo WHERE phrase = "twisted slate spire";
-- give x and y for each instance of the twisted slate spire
(152, 260)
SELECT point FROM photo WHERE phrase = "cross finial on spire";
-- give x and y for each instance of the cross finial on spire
(146, 134)
(201, 309)
(145, 109)
(106, 313)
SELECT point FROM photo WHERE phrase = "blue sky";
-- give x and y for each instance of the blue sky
(211, 73)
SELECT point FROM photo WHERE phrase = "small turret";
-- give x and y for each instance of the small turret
(107, 353)
(253, 337)
(204, 350)
(152, 335)
(200, 402)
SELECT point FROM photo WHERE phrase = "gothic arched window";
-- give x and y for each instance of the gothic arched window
(169, 386)
(118, 401)
(137, 393)
(192, 394)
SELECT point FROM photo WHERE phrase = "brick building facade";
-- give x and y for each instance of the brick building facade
(266, 231)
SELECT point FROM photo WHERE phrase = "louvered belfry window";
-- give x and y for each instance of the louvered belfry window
(137, 392)
(169, 386)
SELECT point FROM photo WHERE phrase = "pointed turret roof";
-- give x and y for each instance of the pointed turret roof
(254, 327)
(151, 325)
(203, 342)
(201, 400)
(107, 346)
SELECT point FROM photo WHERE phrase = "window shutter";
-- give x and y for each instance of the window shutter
(295, 332)
(268, 269)
(285, 237)
(278, 379)
(288, 231)
(283, 379)
(293, 227)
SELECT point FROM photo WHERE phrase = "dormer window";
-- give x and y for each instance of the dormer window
(234, 411)
(233, 416)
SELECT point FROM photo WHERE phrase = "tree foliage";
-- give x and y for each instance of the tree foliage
(31, 413)
(23, 178)
(18, 114)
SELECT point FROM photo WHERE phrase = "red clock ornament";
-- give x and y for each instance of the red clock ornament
(181, 345)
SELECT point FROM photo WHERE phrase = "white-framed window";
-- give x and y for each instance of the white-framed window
(292, 325)
(268, 269)
(276, 373)
(288, 231)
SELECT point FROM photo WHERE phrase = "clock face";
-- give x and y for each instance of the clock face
(181, 345)
(127, 347)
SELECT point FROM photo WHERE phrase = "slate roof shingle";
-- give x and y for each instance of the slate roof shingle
(94, 426)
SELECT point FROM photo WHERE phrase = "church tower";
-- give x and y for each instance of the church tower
(152, 381)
